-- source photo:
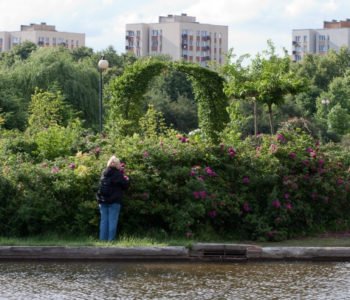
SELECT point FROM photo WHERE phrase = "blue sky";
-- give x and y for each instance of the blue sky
(251, 22)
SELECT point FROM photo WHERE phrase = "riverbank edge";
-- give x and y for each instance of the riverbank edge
(199, 252)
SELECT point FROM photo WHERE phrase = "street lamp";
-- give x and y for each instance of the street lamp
(102, 65)
(326, 103)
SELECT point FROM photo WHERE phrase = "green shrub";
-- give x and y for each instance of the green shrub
(264, 188)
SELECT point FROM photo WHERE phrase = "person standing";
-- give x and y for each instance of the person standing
(113, 183)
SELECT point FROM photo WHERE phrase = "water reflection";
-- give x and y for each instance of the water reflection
(174, 281)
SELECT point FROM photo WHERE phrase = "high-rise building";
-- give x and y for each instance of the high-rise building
(42, 35)
(334, 35)
(180, 37)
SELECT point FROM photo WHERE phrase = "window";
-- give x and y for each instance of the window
(321, 37)
(322, 48)
(130, 33)
(297, 57)
(16, 41)
(154, 32)
(41, 41)
(60, 42)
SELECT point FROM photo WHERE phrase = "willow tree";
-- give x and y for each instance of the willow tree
(55, 69)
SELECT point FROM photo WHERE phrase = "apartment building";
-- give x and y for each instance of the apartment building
(334, 35)
(42, 35)
(179, 36)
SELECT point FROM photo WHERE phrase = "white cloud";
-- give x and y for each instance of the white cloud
(311, 7)
(228, 11)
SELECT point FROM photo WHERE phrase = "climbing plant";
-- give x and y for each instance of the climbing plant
(125, 104)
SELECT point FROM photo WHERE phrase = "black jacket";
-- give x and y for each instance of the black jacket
(118, 184)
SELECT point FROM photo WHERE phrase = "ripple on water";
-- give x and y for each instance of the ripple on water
(174, 280)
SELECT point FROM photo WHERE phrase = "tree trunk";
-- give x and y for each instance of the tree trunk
(270, 118)
(255, 118)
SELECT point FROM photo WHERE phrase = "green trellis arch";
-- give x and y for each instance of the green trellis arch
(126, 91)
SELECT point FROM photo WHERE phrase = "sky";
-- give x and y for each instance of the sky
(250, 22)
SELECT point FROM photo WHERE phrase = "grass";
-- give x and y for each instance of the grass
(78, 242)
(133, 241)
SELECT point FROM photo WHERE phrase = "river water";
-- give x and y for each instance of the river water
(112, 280)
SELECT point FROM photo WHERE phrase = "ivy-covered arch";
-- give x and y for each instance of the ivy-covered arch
(126, 91)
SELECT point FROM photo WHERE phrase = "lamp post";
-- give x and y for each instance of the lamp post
(102, 65)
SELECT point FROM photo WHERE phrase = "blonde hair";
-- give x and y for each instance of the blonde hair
(115, 160)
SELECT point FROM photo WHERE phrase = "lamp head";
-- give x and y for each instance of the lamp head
(103, 64)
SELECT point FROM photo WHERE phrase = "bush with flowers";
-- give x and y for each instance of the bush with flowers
(265, 187)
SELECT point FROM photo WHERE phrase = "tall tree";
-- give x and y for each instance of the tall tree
(48, 67)
(241, 81)
(275, 79)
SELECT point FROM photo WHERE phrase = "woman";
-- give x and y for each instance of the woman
(110, 194)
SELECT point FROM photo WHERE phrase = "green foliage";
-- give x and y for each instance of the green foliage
(48, 67)
(265, 187)
(172, 95)
(180, 114)
(267, 80)
(24, 50)
(275, 79)
(126, 94)
(11, 104)
(56, 141)
(232, 131)
(46, 109)
(212, 101)
(152, 124)
(339, 120)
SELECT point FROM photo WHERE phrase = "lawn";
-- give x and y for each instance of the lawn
(328, 240)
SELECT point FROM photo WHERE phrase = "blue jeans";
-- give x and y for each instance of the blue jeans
(109, 221)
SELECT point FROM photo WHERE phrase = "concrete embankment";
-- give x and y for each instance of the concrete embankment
(198, 252)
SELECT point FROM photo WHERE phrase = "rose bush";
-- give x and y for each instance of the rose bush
(265, 187)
